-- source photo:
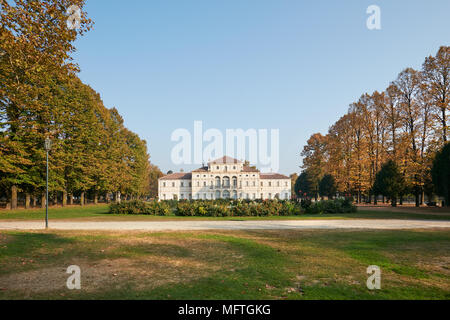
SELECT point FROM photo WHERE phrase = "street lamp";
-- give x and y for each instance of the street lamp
(48, 147)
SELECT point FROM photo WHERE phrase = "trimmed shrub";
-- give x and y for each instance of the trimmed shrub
(140, 208)
(231, 208)
(331, 206)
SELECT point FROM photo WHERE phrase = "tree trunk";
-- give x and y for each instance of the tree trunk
(417, 196)
(375, 199)
(13, 197)
(394, 202)
(118, 200)
(95, 198)
(70, 199)
(55, 198)
(43, 201)
(401, 200)
(27, 201)
(82, 199)
(34, 201)
(64, 198)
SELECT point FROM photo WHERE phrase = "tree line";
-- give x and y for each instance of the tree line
(93, 154)
(403, 127)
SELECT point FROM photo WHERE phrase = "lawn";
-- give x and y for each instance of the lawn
(100, 213)
(317, 264)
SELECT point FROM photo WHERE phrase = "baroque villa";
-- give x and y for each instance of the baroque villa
(224, 178)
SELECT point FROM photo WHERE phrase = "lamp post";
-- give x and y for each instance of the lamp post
(48, 147)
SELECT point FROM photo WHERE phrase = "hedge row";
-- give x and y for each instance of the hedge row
(329, 206)
(237, 208)
(232, 208)
(138, 207)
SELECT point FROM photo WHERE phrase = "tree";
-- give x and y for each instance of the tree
(36, 47)
(303, 186)
(389, 182)
(314, 159)
(327, 186)
(436, 72)
(154, 174)
(441, 173)
(294, 178)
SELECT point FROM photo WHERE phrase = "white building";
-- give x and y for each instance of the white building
(225, 178)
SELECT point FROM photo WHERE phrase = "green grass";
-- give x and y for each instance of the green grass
(316, 264)
(100, 213)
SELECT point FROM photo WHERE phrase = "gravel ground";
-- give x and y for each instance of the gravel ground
(226, 225)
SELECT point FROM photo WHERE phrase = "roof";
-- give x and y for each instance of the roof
(225, 160)
(274, 176)
(178, 176)
(249, 169)
(203, 169)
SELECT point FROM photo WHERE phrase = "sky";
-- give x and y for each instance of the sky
(291, 65)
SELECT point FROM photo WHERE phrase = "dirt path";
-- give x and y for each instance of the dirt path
(226, 225)
(408, 209)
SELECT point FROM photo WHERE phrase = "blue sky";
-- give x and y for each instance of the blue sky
(272, 64)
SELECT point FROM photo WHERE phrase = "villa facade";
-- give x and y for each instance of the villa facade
(224, 178)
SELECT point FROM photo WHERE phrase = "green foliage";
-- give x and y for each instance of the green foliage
(327, 186)
(390, 182)
(302, 186)
(330, 207)
(441, 173)
(137, 207)
(209, 208)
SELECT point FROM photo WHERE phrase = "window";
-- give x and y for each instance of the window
(246, 184)
(217, 167)
(234, 182)
(262, 184)
(234, 168)
(190, 184)
(270, 184)
(278, 183)
(262, 195)
(182, 184)
(254, 183)
(198, 184)
(204, 184)
(164, 184)
(205, 196)
(173, 184)
(254, 196)
(181, 196)
(285, 184)
(270, 196)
